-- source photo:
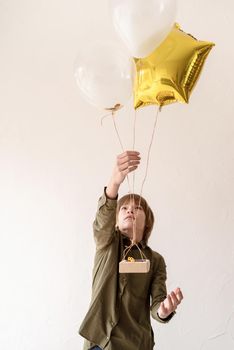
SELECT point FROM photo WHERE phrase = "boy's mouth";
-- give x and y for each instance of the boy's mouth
(129, 218)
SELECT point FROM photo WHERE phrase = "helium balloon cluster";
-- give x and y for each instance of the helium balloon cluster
(161, 64)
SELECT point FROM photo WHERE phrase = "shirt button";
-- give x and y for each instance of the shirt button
(112, 323)
(107, 338)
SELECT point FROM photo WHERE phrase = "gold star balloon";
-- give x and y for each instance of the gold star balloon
(170, 73)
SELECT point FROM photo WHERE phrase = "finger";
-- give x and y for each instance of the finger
(127, 160)
(128, 153)
(128, 165)
(128, 170)
(174, 299)
(169, 301)
(132, 169)
(127, 157)
(125, 164)
(179, 295)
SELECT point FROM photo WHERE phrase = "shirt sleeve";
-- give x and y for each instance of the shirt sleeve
(159, 291)
(104, 223)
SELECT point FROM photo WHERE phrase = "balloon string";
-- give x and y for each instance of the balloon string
(112, 110)
(121, 144)
(148, 155)
(141, 252)
(127, 250)
(133, 175)
(112, 113)
(105, 116)
(149, 150)
(116, 130)
(129, 186)
(133, 148)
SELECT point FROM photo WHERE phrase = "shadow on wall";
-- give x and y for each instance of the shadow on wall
(217, 341)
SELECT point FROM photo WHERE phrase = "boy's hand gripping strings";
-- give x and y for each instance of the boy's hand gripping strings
(126, 162)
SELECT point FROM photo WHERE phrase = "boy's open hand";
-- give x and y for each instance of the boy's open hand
(170, 304)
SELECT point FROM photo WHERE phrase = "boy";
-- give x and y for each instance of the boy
(119, 314)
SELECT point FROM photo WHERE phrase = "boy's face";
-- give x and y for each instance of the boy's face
(131, 216)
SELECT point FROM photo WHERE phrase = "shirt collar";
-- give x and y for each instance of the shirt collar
(127, 242)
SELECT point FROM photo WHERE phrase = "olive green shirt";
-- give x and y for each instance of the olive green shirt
(119, 313)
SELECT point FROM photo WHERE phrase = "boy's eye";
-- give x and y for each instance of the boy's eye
(138, 207)
(123, 208)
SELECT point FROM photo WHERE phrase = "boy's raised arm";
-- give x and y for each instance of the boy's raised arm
(104, 223)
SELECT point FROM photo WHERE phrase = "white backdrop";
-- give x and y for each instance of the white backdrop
(55, 159)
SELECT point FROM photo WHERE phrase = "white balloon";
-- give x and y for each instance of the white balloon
(143, 24)
(105, 74)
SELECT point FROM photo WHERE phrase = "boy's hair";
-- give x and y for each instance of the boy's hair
(149, 216)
